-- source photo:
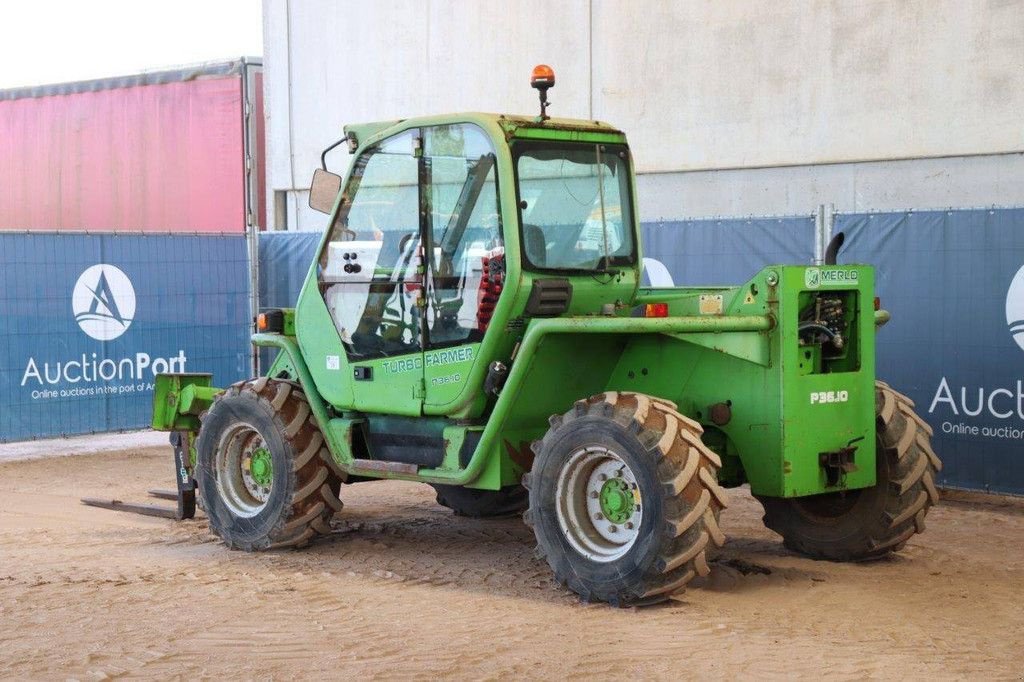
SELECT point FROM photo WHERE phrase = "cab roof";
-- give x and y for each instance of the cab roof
(511, 126)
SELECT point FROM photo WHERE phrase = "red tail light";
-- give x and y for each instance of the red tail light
(656, 310)
(878, 303)
(491, 282)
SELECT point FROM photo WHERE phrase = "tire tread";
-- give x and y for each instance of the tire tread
(314, 499)
(686, 469)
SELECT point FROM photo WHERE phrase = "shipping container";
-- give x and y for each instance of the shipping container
(167, 152)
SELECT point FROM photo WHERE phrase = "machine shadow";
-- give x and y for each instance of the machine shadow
(423, 545)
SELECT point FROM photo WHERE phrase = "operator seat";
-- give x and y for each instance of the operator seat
(535, 245)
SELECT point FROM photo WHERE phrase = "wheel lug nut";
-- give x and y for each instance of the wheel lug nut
(602, 477)
(629, 525)
(594, 494)
(598, 516)
(613, 529)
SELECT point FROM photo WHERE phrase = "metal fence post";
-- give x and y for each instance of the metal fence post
(819, 233)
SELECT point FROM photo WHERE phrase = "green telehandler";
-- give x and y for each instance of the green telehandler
(475, 320)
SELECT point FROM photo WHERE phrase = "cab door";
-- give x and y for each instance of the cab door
(464, 251)
(371, 277)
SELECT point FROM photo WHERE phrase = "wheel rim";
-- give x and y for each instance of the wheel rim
(598, 504)
(245, 470)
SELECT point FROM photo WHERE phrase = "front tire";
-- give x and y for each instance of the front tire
(267, 479)
(869, 523)
(624, 499)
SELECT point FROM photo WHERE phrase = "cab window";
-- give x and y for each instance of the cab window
(575, 207)
(466, 248)
(370, 264)
(415, 258)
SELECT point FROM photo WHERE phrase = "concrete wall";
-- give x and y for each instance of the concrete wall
(945, 182)
(733, 108)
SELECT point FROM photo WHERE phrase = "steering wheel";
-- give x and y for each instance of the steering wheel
(391, 329)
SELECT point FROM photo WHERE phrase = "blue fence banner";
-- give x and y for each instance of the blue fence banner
(89, 319)
(695, 252)
(285, 258)
(727, 252)
(954, 283)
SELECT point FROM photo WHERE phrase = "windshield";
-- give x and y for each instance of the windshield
(575, 208)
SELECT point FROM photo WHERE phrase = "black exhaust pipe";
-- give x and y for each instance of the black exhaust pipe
(833, 248)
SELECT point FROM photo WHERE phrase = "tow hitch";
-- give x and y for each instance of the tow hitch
(838, 463)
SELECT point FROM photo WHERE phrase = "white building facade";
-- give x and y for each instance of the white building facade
(732, 108)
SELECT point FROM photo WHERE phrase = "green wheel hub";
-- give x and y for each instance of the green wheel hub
(597, 501)
(244, 470)
(617, 500)
(261, 466)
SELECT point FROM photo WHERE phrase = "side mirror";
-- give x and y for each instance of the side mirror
(324, 190)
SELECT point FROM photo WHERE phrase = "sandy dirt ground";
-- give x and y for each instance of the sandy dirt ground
(406, 590)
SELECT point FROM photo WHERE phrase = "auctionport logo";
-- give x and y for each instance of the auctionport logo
(1001, 403)
(1015, 308)
(103, 302)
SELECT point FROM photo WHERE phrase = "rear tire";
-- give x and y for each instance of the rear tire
(267, 479)
(479, 504)
(870, 523)
(624, 499)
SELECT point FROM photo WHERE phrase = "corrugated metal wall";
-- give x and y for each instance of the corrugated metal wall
(164, 157)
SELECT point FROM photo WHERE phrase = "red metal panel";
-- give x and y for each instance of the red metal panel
(152, 158)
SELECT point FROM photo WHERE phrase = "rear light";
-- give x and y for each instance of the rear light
(271, 321)
(656, 310)
(492, 280)
(878, 303)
